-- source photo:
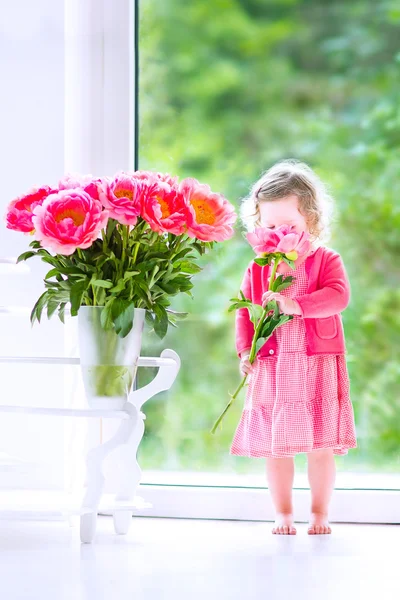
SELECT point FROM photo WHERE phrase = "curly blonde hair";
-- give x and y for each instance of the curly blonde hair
(285, 178)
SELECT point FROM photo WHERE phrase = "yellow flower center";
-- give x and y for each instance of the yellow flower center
(292, 255)
(69, 213)
(204, 212)
(165, 211)
(121, 193)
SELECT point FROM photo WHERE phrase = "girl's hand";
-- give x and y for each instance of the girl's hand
(286, 305)
(246, 368)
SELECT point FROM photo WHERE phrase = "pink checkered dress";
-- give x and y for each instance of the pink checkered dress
(294, 402)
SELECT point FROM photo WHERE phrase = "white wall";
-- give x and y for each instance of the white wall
(31, 152)
(31, 113)
(61, 62)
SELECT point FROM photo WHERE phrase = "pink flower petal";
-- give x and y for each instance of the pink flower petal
(288, 242)
(69, 219)
(210, 216)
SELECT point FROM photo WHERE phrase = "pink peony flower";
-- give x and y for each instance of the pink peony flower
(20, 211)
(67, 220)
(209, 216)
(163, 177)
(93, 186)
(283, 239)
(122, 196)
(71, 181)
(164, 209)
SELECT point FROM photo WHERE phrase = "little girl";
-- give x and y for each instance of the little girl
(298, 395)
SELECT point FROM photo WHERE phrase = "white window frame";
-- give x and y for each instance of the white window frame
(99, 86)
(101, 137)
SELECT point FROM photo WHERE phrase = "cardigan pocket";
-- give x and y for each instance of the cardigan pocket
(326, 328)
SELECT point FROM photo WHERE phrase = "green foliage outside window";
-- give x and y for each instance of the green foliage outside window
(226, 89)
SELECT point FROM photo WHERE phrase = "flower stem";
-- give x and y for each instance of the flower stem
(94, 296)
(273, 273)
(125, 242)
(227, 407)
(260, 323)
(253, 350)
(104, 238)
(135, 252)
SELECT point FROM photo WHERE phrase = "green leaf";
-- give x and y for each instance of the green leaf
(60, 295)
(119, 287)
(143, 286)
(161, 321)
(147, 265)
(177, 315)
(37, 310)
(61, 312)
(64, 284)
(101, 297)
(276, 283)
(149, 318)
(52, 273)
(169, 288)
(289, 262)
(51, 260)
(158, 255)
(102, 283)
(268, 328)
(123, 314)
(284, 285)
(270, 306)
(52, 306)
(129, 274)
(282, 282)
(284, 319)
(189, 267)
(260, 342)
(181, 254)
(73, 271)
(76, 294)
(198, 247)
(25, 256)
(256, 311)
(238, 305)
(264, 260)
(106, 317)
(111, 224)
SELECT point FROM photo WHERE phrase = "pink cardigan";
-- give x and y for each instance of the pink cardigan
(327, 296)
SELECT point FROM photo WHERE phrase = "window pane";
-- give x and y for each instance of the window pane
(226, 89)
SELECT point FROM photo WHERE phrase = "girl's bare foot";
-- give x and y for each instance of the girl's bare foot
(321, 475)
(319, 524)
(284, 525)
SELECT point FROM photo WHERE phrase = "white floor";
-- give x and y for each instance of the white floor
(165, 559)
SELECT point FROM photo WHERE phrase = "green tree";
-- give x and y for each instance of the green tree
(226, 89)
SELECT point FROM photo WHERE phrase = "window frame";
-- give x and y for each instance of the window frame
(102, 136)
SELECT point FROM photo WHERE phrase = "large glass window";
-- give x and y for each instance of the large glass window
(226, 88)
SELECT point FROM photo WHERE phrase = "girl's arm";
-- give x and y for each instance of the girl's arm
(334, 295)
(244, 327)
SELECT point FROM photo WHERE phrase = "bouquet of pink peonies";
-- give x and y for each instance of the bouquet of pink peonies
(120, 243)
(273, 246)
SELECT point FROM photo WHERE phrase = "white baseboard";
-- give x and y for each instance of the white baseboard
(348, 506)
